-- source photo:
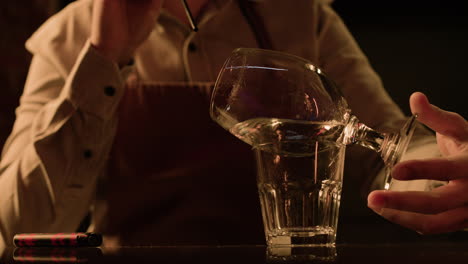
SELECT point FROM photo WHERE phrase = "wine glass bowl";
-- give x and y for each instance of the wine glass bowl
(262, 83)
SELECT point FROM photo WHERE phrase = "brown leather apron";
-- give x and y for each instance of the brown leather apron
(177, 177)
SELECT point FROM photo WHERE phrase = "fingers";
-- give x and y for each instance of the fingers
(119, 27)
(449, 221)
(418, 202)
(442, 169)
(446, 123)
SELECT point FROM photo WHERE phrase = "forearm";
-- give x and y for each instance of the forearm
(59, 145)
(345, 63)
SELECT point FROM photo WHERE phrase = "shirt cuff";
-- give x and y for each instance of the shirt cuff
(95, 84)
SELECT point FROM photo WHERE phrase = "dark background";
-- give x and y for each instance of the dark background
(413, 45)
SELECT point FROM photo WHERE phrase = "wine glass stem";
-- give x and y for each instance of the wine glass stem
(369, 138)
(364, 136)
(390, 146)
(383, 143)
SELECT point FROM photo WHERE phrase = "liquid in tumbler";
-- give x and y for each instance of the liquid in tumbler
(300, 172)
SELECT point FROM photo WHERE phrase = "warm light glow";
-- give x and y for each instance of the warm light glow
(316, 108)
(311, 67)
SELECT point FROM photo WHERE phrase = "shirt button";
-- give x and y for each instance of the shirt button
(87, 154)
(192, 47)
(109, 90)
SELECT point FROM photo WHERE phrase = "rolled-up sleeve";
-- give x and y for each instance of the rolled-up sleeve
(59, 144)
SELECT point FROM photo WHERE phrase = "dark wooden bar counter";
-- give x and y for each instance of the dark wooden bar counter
(363, 237)
(418, 252)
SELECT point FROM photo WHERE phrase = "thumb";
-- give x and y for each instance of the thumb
(443, 122)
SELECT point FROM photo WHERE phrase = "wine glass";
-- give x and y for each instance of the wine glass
(257, 86)
(288, 110)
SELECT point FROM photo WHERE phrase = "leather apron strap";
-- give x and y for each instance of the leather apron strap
(249, 11)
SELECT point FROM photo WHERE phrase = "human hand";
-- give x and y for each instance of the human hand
(120, 26)
(443, 209)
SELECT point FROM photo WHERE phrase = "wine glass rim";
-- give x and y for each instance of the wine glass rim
(308, 63)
